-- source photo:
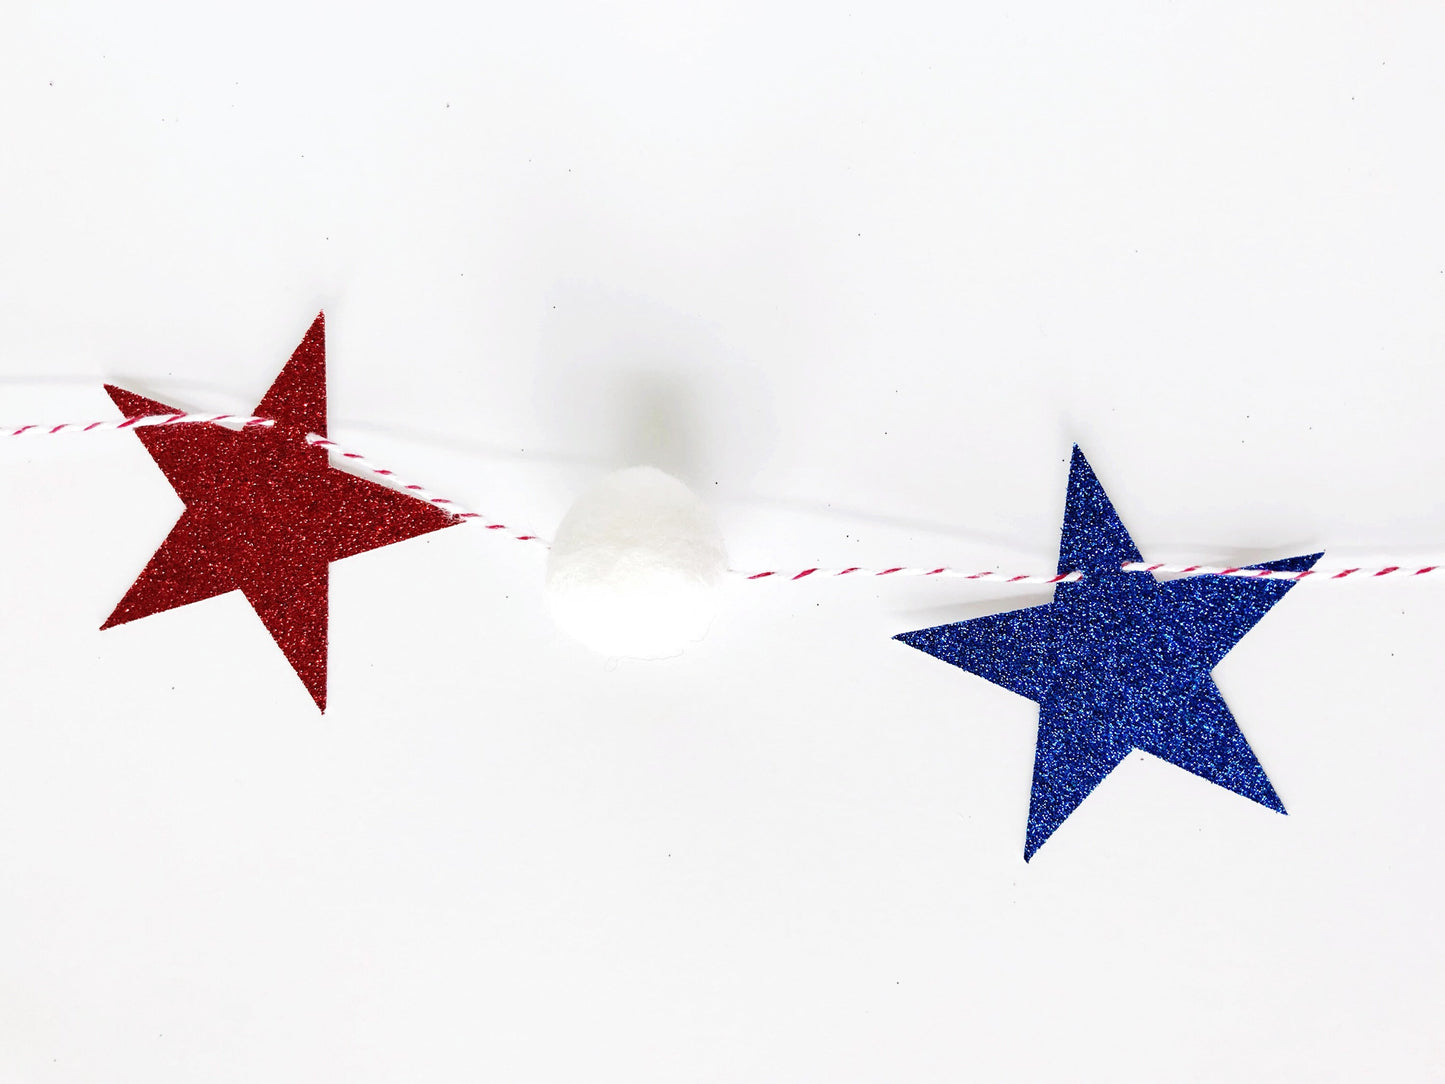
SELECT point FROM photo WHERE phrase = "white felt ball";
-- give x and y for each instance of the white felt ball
(635, 567)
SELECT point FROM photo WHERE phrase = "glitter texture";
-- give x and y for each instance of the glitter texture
(1118, 661)
(266, 514)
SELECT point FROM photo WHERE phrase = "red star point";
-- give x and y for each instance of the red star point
(266, 514)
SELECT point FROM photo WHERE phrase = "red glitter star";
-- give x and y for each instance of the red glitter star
(266, 514)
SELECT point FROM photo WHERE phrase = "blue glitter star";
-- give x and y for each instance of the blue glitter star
(1118, 661)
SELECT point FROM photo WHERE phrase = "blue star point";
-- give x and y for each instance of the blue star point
(1118, 661)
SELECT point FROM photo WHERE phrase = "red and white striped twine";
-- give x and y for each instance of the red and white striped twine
(1129, 566)
(232, 421)
(946, 573)
(243, 421)
(360, 462)
(421, 493)
(1281, 574)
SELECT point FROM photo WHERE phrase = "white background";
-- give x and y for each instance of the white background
(861, 275)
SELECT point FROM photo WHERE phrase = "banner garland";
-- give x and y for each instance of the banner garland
(1119, 660)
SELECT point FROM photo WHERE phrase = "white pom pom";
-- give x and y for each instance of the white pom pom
(636, 565)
